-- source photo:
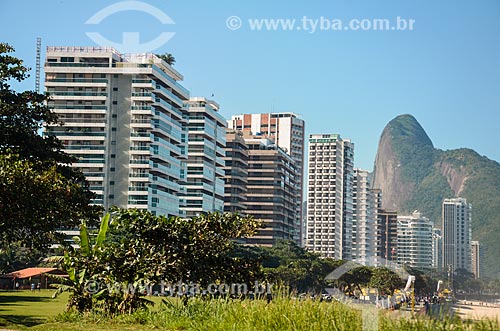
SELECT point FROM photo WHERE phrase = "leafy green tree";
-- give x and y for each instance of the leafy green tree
(290, 265)
(356, 278)
(22, 115)
(39, 192)
(155, 248)
(140, 249)
(385, 280)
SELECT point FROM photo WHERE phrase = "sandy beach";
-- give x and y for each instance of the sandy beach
(477, 310)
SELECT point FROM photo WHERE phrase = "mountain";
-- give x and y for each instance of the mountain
(413, 174)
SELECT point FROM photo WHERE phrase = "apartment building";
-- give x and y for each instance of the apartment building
(457, 234)
(387, 232)
(236, 172)
(272, 191)
(287, 131)
(437, 245)
(206, 153)
(364, 220)
(125, 123)
(476, 259)
(414, 248)
(330, 196)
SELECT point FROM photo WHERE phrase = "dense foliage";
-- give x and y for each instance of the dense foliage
(136, 250)
(39, 192)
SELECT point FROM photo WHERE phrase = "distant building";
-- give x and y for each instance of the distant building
(437, 245)
(364, 242)
(330, 196)
(236, 172)
(414, 247)
(387, 235)
(206, 152)
(272, 191)
(287, 131)
(456, 233)
(476, 255)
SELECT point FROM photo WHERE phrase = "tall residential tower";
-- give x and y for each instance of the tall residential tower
(456, 234)
(272, 191)
(206, 152)
(124, 122)
(287, 131)
(330, 196)
(365, 210)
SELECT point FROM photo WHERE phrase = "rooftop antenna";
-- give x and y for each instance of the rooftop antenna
(37, 72)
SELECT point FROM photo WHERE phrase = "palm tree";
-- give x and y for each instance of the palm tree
(167, 57)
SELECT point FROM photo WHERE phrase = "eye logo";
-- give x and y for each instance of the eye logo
(130, 40)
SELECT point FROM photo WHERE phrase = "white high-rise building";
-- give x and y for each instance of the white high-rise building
(365, 230)
(206, 153)
(437, 245)
(414, 247)
(124, 122)
(330, 196)
(287, 131)
(456, 233)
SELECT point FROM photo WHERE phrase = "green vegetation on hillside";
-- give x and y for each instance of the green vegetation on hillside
(419, 162)
(412, 147)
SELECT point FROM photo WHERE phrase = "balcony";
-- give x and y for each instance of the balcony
(77, 93)
(76, 80)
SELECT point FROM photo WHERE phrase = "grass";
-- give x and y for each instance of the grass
(22, 309)
(36, 311)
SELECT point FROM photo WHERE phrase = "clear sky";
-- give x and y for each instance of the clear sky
(446, 71)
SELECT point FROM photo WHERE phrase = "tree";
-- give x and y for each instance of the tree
(158, 248)
(136, 249)
(22, 115)
(385, 280)
(356, 278)
(167, 57)
(290, 265)
(39, 192)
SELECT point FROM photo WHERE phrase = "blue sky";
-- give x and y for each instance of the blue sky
(446, 72)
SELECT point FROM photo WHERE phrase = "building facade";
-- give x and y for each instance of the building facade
(287, 131)
(476, 259)
(125, 123)
(457, 234)
(364, 220)
(206, 152)
(272, 191)
(387, 235)
(414, 247)
(330, 196)
(437, 245)
(236, 172)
